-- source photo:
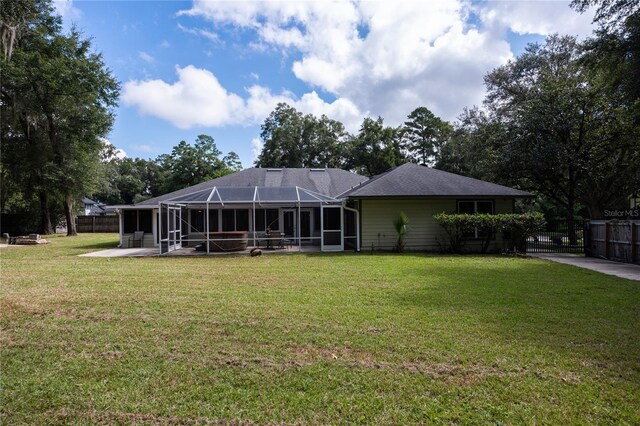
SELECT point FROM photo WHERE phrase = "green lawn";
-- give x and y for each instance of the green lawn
(312, 339)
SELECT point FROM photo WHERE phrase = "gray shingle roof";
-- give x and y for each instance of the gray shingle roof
(329, 182)
(413, 180)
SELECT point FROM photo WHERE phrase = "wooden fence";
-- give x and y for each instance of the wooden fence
(98, 223)
(617, 240)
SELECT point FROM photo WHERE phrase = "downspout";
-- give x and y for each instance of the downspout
(299, 228)
(253, 225)
(120, 224)
(207, 227)
(357, 215)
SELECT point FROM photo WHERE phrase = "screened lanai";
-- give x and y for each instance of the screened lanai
(222, 219)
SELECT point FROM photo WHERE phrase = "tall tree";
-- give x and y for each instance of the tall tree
(375, 149)
(563, 135)
(615, 49)
(471, 149)
(17, 16)
(58, 97)
(189, 165)
(291, 139)
(425, 135)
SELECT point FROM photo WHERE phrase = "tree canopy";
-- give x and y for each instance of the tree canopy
(57, 105)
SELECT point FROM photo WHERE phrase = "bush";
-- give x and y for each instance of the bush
(515, 227)
(400, 225)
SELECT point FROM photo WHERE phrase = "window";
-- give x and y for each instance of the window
(137, 220)
(213, 221)
(145, 221)
(242, 220)
(473, 207)
(197, 220)
(267, 218)
(235, 220)
(228, 220)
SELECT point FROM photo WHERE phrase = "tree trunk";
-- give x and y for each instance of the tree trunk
(46, 228)
(571, 223)
(69, 216)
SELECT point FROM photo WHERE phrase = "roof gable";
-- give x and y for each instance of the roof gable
(413, 180)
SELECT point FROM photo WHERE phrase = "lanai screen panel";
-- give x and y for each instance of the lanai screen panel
(236, 195)
(306, 195)
(275, 195)
(199, 196)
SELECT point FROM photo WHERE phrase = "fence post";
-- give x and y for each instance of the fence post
(586, 238)
(634, 248)
(606, 239)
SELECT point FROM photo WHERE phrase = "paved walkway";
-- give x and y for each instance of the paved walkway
(622, 270)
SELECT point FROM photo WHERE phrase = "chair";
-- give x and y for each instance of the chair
(136, 238)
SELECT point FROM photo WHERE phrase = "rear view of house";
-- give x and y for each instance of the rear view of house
(331, 209)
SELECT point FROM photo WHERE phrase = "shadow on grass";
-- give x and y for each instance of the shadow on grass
(97, 246)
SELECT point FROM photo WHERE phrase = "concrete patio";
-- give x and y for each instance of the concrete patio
(191, 251)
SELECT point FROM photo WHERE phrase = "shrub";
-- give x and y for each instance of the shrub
(516, 228)
(400, 224)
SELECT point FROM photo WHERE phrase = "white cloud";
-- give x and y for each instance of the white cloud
(374, 57)
(256, 149)
(110, 152)
(198, 99)
(530, 17)
(165, 44)
(201, 32)
(146, 57)
(145, 148)
(65, 9)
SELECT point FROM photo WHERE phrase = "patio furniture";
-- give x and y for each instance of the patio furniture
(285, 241)
(136, 238)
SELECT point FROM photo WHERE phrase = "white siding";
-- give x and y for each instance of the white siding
(423, 232)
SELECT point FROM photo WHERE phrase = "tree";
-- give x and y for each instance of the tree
(375, 149)
(57, 103)
(188, 165)
(560, 132)
(471, 149)
(425, 135)
(16, 16)
(291, 139)
(615, 50)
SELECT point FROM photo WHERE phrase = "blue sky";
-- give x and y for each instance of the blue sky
(218, 68)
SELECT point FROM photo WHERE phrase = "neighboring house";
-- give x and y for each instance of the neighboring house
(331, 208)
(93, 208)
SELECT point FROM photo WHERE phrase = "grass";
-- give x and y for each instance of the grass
(312, 339)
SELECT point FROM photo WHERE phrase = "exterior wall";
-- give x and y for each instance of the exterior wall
(424, 233)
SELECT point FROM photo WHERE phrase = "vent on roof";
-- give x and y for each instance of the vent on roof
(317, 170)
(274, 170)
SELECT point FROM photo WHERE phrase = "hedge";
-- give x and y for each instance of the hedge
(515, 227)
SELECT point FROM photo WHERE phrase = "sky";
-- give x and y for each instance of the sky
(220, 67)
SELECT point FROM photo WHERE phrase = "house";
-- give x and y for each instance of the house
(93, 208)
(333, 209)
